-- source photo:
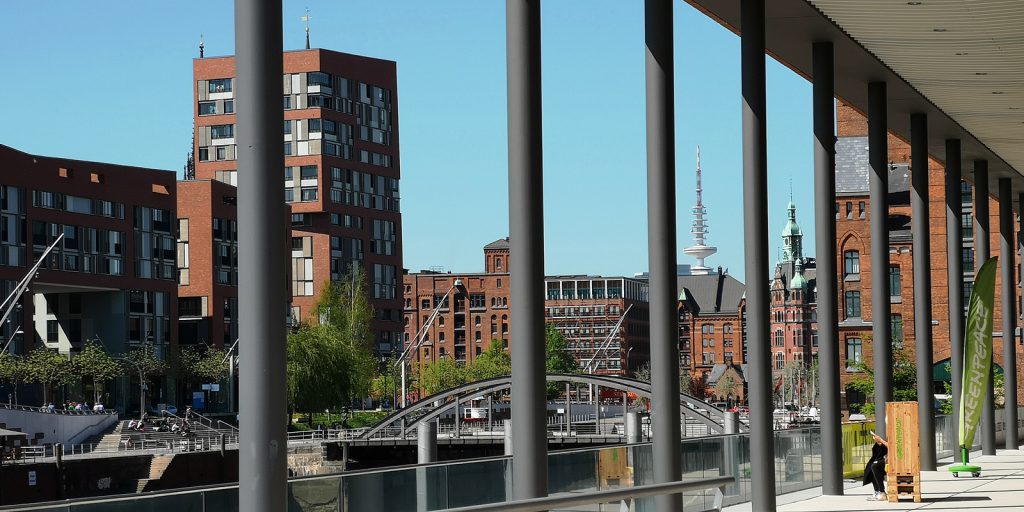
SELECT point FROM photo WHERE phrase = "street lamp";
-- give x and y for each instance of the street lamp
(627, 358)
(420, 337)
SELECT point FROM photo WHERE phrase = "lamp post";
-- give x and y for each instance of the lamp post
(422, 333)
(627, 359)
(142, 390)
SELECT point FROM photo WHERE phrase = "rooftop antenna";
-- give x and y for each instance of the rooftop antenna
(201, 46)
(699, 229)
(306, 19)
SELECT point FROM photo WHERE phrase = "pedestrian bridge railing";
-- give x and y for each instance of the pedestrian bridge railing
(624, 469)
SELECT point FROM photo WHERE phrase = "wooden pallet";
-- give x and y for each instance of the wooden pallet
(904, 485)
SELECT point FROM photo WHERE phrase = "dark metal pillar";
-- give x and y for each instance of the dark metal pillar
(922, 285)
(881, 321)
(526, 231)
(262, 454)
(1008, 287)
(827, 295)
(661, 246)
(982, 253)
(955, 279)
(755, 238)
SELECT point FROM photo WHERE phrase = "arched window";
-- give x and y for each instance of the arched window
(504, 301)
(497, 263)
(477, 319)
(504, 325)
(851, 265)
(494, 325)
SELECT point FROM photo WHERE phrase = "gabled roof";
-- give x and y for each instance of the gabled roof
(501, 243)
(713, 293)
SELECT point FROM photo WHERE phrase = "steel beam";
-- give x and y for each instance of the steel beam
(955, 277)
(881, 318)
(922, 285)
(661, 246)
(262, 459)
(823, 100)
(526, 231)
(982, 253)
(755, 238)
(1008, 287)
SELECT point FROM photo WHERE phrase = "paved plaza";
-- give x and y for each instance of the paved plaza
(1000, 488)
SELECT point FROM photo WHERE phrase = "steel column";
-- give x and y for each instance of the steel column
(955, 277)
(922, 285)
(262, 460)
(755, 238)
(1008, 287)
(526, 232)
(982, 253)
(661, 244)
(881, 321)
(825, 236)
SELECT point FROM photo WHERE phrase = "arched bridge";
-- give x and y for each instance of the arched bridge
(423, 410)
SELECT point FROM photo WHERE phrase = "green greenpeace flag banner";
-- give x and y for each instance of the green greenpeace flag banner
(977, 351)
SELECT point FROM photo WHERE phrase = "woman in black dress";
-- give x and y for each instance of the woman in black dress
(874, 472)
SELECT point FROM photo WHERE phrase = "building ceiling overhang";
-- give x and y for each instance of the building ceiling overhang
(960, 62)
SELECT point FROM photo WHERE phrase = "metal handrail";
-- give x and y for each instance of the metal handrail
(593, 498)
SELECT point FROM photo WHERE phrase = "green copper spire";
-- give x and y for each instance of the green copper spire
(792, 236)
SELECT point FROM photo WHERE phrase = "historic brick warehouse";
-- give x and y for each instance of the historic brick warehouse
(853, 210)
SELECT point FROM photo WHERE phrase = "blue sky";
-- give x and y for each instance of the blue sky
(113, 84)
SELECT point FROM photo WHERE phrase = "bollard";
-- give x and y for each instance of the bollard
(732, 423)
(426, 443)
(632, 425)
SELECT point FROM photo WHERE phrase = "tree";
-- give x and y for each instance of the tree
(437, 376)
(697, 386)
(904, 380)
(557, 356)
(491, 363)
(726, 387)
(49, 368)
(95, 362)
(13, 371)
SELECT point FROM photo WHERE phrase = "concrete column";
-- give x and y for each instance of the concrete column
(881, 321)
(755, 237)
(458, 418)
(632, 426)
(526, 231)
(1009, 297)
(955, 276)
(922, 285)
(730, 447)
(982, 253)
(426, 442)
(597, 410)
(262, 461)
(568, 411)
(661, 248)
(508, 436)
(828, 286)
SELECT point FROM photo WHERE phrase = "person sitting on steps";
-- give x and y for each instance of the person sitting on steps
(874, 471)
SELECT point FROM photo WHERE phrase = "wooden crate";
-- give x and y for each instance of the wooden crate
(904, 466)
(612, 468)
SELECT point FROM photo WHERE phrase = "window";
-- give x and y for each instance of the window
(204, 154)
(229, 106)
(837, 211)
(968, 259)
(302, 266)
(780, 361)
(477, 301)
(780, 338)
(897, 330)
(499, 282)
(222, 131)
(51, 331)
(853, 304)
(318, 78)
(965, 192)
(852, 263)
(287, 103)
(968, 287)
(894, 281)
(207, 108)
(849, 210)
(308, 193)
(287, 127)
(497, 263)
(307, 172)
(222, 153)
(220, 85)
(860, 209)
(854, 352)
(966, 226)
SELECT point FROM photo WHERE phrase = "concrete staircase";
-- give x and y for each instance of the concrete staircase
(109, 440)
(157, 465)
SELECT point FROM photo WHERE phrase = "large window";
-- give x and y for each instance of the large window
(302, 266)
(968, 259)
(851, 266)
(220, 85)
(966, 226)
(780, 338)
(853, 304)
(854, 352)
(894, 281)
(897, 330)
(780, 360)
(222, 131)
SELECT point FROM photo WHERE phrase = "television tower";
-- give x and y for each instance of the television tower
(699, 229)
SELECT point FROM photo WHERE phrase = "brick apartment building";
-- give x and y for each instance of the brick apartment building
(585, 309)
(112, 279)
(853, 209)
(711, 310)
(341, 175)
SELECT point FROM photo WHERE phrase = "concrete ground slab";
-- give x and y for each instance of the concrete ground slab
(1000, 488)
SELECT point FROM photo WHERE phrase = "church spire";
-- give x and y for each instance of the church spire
(792, 236)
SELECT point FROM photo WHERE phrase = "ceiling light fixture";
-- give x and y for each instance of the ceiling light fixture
(913, 3)
(938, 30)
(981, 74)
(997, 92)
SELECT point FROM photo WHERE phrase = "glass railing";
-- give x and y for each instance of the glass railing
(456, 484)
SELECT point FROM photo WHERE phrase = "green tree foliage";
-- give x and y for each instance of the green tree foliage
(557, 356)
(904, 380)
(330, 361)
(49, 368)
(726, 387)
(94, 362)
(205, 364)
(493, 362)
(437, 376)
(143, 358)
(13, 371)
